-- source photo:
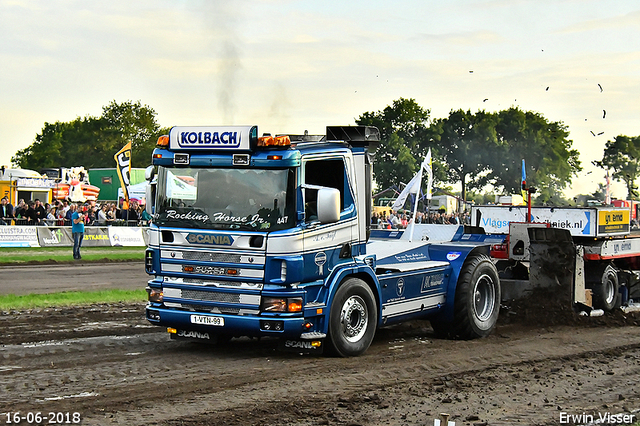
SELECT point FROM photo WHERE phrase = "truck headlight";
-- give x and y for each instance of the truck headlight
(155, 294)
(281, 304)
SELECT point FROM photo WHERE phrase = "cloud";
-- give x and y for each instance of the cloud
(627, 20)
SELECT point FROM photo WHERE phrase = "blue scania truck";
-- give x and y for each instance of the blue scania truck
(269, 236)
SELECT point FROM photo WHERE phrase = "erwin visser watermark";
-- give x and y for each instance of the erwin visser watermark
(598, 418)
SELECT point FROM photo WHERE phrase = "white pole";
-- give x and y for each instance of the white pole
(415, 207)
(426, 163)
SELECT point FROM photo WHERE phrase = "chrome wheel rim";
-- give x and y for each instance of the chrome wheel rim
(610, 290)
(354, 318)
(484, 294)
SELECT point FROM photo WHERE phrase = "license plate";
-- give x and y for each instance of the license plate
(207, 320)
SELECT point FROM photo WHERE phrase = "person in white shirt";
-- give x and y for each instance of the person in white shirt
(102, 215)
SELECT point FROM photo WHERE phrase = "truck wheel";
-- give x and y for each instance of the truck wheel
(477, 301)
(353, 318)
(605, 293)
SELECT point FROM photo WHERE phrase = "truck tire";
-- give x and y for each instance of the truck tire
(605, 293)
(477, 300)
(353, 319)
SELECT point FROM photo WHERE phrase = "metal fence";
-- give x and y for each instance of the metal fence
(67, 222)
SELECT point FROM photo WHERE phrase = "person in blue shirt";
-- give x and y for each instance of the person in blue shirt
(77, 230)
(68, 215)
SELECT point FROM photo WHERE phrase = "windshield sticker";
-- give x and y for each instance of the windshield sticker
(191, 215)
(223, 217)
(255, 221)
(261, 200)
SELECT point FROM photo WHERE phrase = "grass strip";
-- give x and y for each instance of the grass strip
(70, 298)
(22, 255)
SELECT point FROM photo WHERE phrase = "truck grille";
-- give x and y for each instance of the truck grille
(212, 283)
(192, 299)
(211, 296)
(211, 257)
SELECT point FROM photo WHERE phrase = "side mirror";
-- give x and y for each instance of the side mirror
(328, 205)
(150, 196)
(149, 173)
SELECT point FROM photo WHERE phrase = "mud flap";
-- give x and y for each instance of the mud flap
(302, 346)
(553, 262)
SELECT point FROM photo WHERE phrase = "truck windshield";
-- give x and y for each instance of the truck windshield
(218, 198)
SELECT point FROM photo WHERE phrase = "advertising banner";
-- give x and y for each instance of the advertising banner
(227, 138)
(495, 219)
(54, 236)
(613, 221)
(61, 236)
(123, 167)
(35, 183)
(18, 236)
(580, 221)
(95, 237)
(124, 236)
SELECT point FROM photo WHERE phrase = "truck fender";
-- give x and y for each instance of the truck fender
(350, 270)
(443, 253)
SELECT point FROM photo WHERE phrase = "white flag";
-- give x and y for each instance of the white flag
(413, 187)
(426, 164)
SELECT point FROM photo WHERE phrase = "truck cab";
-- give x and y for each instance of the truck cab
(267, 236)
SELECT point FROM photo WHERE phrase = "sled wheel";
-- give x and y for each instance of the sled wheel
(605, 293)
(477, 301)
(353, 318)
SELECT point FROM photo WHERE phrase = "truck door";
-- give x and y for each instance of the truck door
(325, 245)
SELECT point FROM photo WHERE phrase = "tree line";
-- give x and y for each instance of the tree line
(92, 141)
(474, 149)
(487, 148)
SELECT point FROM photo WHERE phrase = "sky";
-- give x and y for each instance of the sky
(291, 66)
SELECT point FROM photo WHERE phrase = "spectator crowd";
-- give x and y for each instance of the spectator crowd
(397, 220)
(59, 213)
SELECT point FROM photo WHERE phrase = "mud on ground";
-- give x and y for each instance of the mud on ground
(106, 363)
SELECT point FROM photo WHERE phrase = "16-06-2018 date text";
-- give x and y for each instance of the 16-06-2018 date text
(39, 418)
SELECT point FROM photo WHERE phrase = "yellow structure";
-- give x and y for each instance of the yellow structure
(382, 205)
(24, 184)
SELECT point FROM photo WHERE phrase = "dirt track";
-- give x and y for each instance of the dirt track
(107, 364)
(71, 276)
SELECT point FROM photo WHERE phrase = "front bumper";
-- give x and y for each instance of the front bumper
(282, 326)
